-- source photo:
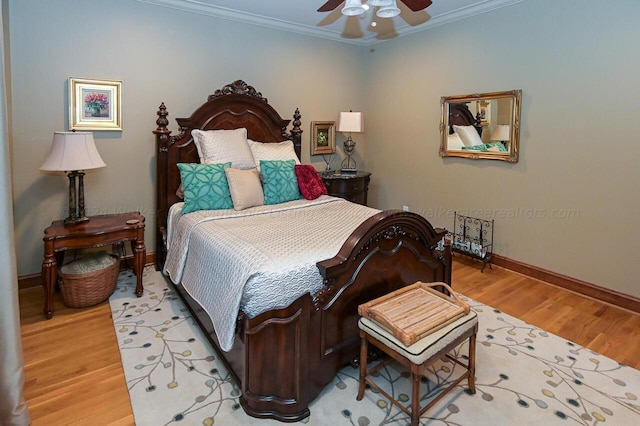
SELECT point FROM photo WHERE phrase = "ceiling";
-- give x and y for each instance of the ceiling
(301, 16)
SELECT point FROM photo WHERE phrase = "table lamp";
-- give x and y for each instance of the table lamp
(73, 152)
(350, 122)
(502, 133)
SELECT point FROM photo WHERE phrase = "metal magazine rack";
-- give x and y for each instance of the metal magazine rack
(472, 237)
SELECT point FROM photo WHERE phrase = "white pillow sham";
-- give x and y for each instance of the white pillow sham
(223, 146)
(277, 151)
(468, 134)
(454, 141)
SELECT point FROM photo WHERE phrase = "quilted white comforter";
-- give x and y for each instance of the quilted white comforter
(257, 259)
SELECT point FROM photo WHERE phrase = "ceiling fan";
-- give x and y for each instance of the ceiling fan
(386, 8)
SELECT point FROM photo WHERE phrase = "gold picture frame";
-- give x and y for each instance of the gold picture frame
(323, 137)
(95, 104)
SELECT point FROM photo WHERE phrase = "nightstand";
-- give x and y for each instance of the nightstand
(350, 186)
(98, 231)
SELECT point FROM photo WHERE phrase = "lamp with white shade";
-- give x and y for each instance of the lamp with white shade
(350, 122)
(73, 153)
(502, 133)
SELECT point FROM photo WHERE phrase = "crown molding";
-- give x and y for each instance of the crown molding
(201, 8)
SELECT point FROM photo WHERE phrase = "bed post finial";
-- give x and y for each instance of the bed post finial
(162, 120)
(162, 132)
(296, 132)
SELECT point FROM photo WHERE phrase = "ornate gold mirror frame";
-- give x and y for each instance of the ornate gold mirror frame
(494, 117)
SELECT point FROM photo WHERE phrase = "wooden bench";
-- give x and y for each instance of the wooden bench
(416, 326)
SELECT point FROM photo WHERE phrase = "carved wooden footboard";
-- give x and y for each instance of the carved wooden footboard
(284, 358)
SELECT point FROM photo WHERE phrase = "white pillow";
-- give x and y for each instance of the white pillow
(454, 141)
(223, 146)
(281, 151)
(468, 134)
(245, 187)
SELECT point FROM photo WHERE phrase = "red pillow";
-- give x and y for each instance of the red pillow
(309, 181)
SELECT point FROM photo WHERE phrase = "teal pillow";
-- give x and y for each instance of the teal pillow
(481, 147)
(205, 187)
(279, 181)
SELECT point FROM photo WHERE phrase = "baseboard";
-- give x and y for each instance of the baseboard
(31, 281)
(584, 288)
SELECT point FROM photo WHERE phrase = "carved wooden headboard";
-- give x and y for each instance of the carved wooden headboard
(234, 106)
(460, 115)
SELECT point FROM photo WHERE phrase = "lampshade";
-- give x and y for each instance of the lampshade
(502, 132)
(353, 8)
(72, 151)
(350, 122)
(388, 11)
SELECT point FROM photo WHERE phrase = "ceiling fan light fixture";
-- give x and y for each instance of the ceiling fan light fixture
(388, 11)
(353, 8)
(377, 3)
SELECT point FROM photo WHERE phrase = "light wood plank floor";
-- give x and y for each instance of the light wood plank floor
(74, 375)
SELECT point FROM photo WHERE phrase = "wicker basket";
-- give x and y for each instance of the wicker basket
(80, 290)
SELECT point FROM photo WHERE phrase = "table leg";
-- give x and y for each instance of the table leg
(139, 255)
(49, 273)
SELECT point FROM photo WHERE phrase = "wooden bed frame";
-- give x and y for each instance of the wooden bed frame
(282, 359)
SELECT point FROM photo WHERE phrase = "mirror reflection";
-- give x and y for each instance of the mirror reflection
(481, 126)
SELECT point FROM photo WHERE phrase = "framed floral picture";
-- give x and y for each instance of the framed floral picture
(323, 137)
(95, 104)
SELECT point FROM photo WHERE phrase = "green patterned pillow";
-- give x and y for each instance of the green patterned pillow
(481, 147)
(279, 181)
(205, 187)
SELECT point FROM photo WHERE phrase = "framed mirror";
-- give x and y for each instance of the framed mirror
(481, 126)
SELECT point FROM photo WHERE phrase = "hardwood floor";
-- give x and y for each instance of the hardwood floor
(74, 375)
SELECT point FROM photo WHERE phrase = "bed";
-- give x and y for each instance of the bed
(465, 131)
(282, 358)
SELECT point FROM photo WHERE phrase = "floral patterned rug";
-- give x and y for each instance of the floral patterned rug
(524, 375)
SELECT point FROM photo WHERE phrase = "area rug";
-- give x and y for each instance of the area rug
(524, 375)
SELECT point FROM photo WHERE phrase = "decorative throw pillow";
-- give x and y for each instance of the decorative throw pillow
(272, 151)
(468, 134)
(481, 147)
(279, 181)
(245, 188)
(496, 147)
(205, 187)
(309, 181)
(222, 146)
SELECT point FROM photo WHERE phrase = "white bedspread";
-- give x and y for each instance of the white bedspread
(257, 259)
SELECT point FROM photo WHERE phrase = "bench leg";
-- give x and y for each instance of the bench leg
(363, 365)
(415, 395)
(472, 361)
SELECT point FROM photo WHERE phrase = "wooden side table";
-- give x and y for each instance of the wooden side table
(350, 186)
(98, 231)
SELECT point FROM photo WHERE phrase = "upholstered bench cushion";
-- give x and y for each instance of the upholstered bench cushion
(426, 347)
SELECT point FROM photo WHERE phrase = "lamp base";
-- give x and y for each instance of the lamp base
(76, 213)
(70, 221)
(348, 165)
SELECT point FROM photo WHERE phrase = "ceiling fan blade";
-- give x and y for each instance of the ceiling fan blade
(416, 5)
(330, 5)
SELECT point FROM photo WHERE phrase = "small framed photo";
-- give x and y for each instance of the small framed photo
(323, 137)
(484, 111)
(95, 104)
